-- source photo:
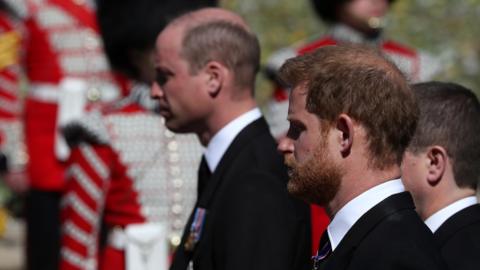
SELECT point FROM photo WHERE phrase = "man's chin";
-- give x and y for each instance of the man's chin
(171, 124)
(175, 126)
(308, 194)
(300, 192)
(296, 192)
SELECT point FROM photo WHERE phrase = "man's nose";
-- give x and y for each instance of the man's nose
(156, 91)
(285, 145)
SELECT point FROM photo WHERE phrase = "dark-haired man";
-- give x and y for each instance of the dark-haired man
(440, 168)
(351, 116)
(206, 65)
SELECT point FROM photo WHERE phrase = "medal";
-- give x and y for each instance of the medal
(195, 229)
(190, 243)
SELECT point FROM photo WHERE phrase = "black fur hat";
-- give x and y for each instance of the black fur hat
(7, 9)
(326, 9)
(133, 25)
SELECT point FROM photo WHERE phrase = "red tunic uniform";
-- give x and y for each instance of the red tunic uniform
(131, 171)
(61, 40)
(416, 66)
(11, 131)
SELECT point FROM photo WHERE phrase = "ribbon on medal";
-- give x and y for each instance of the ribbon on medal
(195, 229)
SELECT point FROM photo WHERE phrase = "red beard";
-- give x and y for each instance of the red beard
(317, 180)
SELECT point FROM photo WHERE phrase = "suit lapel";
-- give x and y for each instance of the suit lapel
(342, 255)
(247, 135)
(456, 222)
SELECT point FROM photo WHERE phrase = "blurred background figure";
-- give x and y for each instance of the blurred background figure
(440, 169)
(12, 148)
(127, 171)
(350, 21)
(11, 133)
(59, 41)
(12, 152)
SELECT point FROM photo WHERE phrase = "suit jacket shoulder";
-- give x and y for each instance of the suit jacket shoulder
(459, 239)
(389, 236)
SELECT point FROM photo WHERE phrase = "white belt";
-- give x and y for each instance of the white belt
(44, 92)
(50, 93)
(145, 245)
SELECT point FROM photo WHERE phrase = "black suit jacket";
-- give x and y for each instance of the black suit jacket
(252, 223)
(389, 236)
(459, 239)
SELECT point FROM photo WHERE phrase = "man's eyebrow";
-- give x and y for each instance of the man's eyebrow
(163, 70)
(295, 122)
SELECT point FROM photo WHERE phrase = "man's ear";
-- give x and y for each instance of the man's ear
(437, 162)
(216, 73)
(344, 125)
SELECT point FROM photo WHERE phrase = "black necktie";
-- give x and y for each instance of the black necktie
(203, 176)
(324, 250)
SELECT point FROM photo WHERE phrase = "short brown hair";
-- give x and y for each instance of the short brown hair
(449, 117)
(226, 42)
(362, 83)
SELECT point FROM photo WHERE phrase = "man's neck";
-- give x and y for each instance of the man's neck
(222, 117)
(357, 182)
(349, 214)
(219, 143)
(437, 219)
(437, 201)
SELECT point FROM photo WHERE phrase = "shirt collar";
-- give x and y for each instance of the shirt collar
(222, 140)
(436, 220)
(350, 213)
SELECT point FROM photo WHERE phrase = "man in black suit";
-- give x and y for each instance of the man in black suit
(351, 116)
(441, 169)
(206, 64)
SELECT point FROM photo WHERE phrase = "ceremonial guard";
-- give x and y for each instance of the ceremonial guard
(12, 153)
(60, 44)
(128, 177)
(128, 170)
(12, 147)
(350, 21)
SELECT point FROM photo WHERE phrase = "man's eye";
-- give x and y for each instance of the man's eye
(294, 131)
(161, 78)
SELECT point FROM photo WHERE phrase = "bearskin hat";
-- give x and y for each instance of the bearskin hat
(326, 9)
(133, 25)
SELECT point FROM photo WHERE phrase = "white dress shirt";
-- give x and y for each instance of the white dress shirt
(222, 140)
(436, 220)
(356, 208)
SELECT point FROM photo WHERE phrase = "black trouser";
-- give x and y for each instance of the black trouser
(43, 230)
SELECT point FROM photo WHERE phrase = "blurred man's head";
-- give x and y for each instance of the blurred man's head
(362, 15)
(350, 109)
(441, 162)
(205, 60)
